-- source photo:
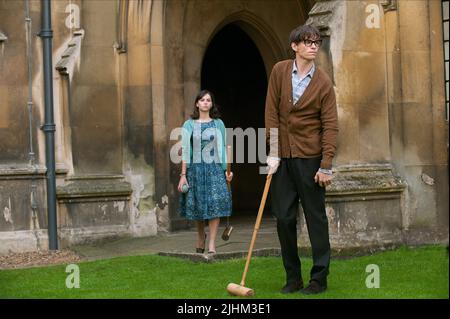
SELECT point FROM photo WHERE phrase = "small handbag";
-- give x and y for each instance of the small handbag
(227, 231)
(184, 188)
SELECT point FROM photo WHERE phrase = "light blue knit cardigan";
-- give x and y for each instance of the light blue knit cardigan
(221, 138)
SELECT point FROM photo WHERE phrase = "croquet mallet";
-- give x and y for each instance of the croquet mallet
(241, 290)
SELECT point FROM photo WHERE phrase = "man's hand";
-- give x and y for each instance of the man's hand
(273, 163)
(323, 179)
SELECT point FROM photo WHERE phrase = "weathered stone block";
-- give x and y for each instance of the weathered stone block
(138, 106)
(23, 209)
(99, 17)
(96, 150)
(139, 65)
(23, 241)
(373, 133)
(416, 82)
(348, 141)
(92, 208)
(361, 77)
(96, 65)
(364, 207)
(413, 24)
(16, 187)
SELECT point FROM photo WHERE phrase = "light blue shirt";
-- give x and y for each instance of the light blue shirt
(299, 84)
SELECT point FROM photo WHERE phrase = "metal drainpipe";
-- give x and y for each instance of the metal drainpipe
(49, 126)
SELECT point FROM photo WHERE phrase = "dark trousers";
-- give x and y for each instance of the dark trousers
(294, 180)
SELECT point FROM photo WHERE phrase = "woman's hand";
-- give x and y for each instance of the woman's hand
(183, 181)
(229, 177)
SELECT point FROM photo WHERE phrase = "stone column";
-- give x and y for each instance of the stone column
(422, 153)
(364, 203)
(136, 76)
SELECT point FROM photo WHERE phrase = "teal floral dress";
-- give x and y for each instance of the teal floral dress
(208, 196)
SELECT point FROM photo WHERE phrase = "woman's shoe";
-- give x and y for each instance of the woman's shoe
(201, 250)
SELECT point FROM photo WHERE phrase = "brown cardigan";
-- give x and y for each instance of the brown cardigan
(307, 129)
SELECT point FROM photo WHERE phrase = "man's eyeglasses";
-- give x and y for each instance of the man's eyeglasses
(309, 43)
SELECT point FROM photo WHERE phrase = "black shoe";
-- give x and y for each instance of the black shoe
(201, 250)
(313, 288)
(292, 287)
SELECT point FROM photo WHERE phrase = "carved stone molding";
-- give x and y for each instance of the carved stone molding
(3, 37)
(361, 180)
(389, 5)
(320, 16)
(95, 186)
(122, 27)
(70, 54)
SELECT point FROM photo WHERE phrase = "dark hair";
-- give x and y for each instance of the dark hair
(213, 112)
(304, 32)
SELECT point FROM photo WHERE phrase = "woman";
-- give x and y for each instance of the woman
(205, 196)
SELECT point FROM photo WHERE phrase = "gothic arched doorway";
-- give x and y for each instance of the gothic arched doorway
(234, 71)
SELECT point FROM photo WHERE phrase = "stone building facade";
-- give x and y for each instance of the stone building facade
(125, 74)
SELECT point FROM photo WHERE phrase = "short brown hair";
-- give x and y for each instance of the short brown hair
(304, 32)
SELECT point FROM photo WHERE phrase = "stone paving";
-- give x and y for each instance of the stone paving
(182, 243)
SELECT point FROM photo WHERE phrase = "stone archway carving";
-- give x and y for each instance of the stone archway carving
(269, 45)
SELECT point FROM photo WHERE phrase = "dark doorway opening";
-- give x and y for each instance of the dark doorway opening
(234, 71)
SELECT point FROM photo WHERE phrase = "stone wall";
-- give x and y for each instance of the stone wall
(391, 112)
(126, 73)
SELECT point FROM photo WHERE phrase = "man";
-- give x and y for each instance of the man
(301, 121)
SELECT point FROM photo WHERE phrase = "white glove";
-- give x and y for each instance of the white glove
(273, 163)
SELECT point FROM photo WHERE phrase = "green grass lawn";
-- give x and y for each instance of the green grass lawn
(404, 273)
